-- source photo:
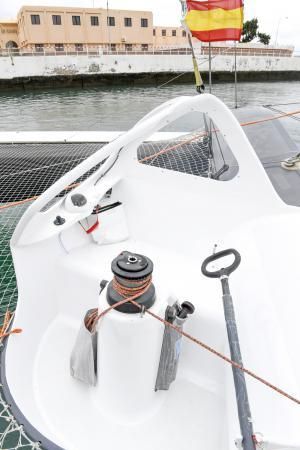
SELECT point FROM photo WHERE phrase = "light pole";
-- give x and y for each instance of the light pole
(279, 22)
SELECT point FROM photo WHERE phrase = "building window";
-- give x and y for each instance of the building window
(128, 47)
(184, 33)
(154, 32)
(39, 47)
(56, 20)
(59, 47)
(76, 20)
(111, 21)
(164, 32)
(144, 23)
(79, 47)
(113, 47)
(95, 21)
(145, 47)
(173, 32)
(35, 19)
(128, 21)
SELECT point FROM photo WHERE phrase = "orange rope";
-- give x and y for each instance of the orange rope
(6, 323)
(245, 124)
(26, 200)
(165, 150)
(130, 294)
(161, 152)
(196, 341)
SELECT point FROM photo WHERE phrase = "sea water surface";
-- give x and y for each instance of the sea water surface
(118, 108)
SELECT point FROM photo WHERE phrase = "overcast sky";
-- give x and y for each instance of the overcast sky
(167, 12)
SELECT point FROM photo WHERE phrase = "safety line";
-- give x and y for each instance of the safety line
(161, 152)
(26, 200)
(201, 344)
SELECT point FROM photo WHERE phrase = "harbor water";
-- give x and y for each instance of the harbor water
(118, 108)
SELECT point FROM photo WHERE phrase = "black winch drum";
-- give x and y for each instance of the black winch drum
(129, 268)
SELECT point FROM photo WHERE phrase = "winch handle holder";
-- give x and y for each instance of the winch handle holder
(225, 271)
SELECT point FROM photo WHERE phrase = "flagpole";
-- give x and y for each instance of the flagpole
(210, 78)
(235, 78)
(198, 79)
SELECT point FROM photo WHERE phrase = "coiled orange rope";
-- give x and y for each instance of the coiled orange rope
(193, 339)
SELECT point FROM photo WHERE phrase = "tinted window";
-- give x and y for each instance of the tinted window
(111, 21)
(76, 20)
(128, 22)
(35, 19)
(56, 20)
(94, 21)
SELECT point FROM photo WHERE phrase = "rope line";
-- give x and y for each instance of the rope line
(195, 340)
(161, 152)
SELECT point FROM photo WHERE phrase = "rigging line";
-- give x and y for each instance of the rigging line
(245, 124)
(174, 147)
(255, 122)
(225, 358)
(279, 111)
(31, 199)
(109, 169)
(282, 104)
(200, 63)
(41, 168)
(208, 129)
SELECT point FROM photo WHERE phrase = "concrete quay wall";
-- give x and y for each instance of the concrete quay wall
(15, 70)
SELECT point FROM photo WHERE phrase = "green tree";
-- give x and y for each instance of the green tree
(250, 30)
(264, 38)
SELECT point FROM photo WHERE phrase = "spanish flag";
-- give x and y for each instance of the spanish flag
(215, 20)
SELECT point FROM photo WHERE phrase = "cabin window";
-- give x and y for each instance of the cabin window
(144, 23)
(111, 21)
(128, 22)
(35, 19)
(76, 20)
(173, 33)
(164, 32)
(56, 20)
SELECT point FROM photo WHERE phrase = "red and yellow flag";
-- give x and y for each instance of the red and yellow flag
(215, 20)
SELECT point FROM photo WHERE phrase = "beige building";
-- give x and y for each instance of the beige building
(78, 29)
(9, 34)
(169, 37)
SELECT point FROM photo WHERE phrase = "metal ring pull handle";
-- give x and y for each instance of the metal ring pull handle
(225, 270)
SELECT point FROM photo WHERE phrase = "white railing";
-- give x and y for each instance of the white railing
(93, 52)
(200, 51)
